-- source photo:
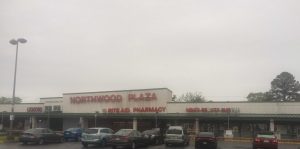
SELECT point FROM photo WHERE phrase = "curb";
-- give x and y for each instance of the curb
(248, 141)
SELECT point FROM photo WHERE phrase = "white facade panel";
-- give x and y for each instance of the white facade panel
(239, 107)
(117, 101)
(24, 107)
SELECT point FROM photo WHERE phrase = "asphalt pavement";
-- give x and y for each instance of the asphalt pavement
(77, 145)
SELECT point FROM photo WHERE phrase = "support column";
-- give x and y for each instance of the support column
(271, 125)
(33, 122)
(134, 123)
(81, 124)
(196, 126)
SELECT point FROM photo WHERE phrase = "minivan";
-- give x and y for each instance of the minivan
(176, 135)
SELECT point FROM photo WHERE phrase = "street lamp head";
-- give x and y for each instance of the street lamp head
(13, 42)
(22, 40)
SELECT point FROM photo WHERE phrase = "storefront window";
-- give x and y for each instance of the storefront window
(48, 108)
(56, 108)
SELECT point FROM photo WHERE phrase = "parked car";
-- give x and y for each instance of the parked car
(40, 136)
(265, 140)
(206, 140)
(128, 138)
(154, 136)
(176, 135)
(73, 134)
(96, 136)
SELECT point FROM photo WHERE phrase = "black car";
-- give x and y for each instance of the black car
(206, 140)
(128, 138)
(154, 136)
(40, 136)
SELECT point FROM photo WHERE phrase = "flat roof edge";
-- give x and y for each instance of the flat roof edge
(50, 97)
(119, 91)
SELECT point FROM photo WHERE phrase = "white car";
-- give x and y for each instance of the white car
(176, 135)
(98, 136)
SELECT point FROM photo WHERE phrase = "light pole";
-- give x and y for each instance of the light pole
(2, 119)
(48, 120)
(14, 42)
(228, 120)
(156, 119)
(96, 114)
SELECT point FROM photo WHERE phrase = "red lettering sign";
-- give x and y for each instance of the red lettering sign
(34, 109)
(95, 99)
(136, 110)
(118, 110)
(149, 109)
(215, 110)
(142, 97)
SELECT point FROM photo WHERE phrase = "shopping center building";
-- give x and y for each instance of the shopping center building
(149, 108)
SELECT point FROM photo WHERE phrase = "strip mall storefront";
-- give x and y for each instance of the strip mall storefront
(148, 108)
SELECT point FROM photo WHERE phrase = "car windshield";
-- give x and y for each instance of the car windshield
(123, 132)
(72, 129)
(206, 134)
(91, 131)
(147, 132)
(265, 136)
(34, 131)
(174, 131)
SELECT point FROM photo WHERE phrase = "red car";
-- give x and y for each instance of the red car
(265, 140)
(206, 140)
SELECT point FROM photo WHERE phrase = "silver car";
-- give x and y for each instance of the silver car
(97, 136)
(176, 135)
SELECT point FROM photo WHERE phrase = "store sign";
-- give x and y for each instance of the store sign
(112, 98)
(142, 97)
(34, 109)
(135, 110)
(214, 110)
(95, 99)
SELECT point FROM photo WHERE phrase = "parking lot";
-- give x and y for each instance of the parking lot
(77, 145)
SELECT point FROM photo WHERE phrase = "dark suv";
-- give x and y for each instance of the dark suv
(154, 136)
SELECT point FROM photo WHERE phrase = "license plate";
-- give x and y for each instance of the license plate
(266, 141)
(117, 138)
(204, 142)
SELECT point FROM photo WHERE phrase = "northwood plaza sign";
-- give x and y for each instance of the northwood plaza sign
(113, 98)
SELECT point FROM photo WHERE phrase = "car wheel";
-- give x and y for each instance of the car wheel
(85, 144)
(113, 147)
(156, 141)
(103, 143)
(62, 140)
(78, 139)
(41, 141)
(24, 142)
(133, 145)
(253, 147)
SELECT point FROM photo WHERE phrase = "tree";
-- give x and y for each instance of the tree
(259, 97)
(285, 88)
(5, 100)
(191, 97)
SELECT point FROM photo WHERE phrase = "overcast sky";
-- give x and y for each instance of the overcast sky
(223, 49)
